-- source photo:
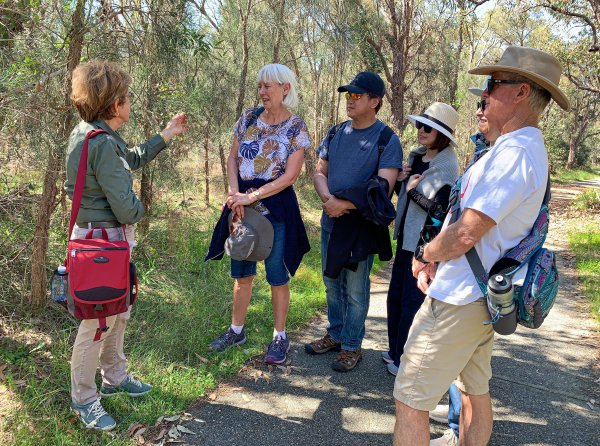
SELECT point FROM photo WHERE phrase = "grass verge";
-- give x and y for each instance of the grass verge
(566, 176)
(184, 304)
(585, 243)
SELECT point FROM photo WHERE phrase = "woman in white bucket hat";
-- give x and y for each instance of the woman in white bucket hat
(422, 202)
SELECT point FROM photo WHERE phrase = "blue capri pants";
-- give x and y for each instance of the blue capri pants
(276, 271)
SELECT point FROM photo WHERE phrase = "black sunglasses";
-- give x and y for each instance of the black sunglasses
(426, 128)
(491, 83)
(481, 105)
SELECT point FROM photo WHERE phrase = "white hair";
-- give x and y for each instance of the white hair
(281, 74)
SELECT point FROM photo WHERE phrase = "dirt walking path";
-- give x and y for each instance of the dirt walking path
(545, 387)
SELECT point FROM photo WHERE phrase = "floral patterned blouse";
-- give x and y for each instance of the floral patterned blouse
(264, 149)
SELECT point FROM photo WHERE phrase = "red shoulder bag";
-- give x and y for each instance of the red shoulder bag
(102, 280)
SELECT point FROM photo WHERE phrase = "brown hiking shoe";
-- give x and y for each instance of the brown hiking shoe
(322, 345)
(346, 360)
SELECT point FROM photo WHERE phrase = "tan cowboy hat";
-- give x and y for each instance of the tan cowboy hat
(539, 66)
(439, 116)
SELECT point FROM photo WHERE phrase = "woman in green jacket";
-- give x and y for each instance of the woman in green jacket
(100, 92)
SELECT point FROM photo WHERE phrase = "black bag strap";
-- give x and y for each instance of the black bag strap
(473, 258)
(254, 117)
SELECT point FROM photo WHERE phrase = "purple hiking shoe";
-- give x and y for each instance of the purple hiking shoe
(277, 352)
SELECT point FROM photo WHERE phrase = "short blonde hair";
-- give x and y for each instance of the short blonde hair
(96, 86)
(281, 74)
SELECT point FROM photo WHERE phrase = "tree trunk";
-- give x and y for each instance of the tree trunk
(56, 156)
(223, 168)
(279, 33)
(575, 142)
(206, 169)
(456, 63)
(245, 52)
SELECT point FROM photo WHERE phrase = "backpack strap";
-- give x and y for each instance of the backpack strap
(481, 275)
(80, 179)
(254, 117)
(384, 139)
(102, 328)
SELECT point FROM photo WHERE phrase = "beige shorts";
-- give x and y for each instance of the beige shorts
(445, 341)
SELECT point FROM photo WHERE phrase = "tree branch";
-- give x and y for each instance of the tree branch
(586, 19)
(202, 9)
(579, 85)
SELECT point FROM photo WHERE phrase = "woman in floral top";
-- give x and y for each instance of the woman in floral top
(265, 160)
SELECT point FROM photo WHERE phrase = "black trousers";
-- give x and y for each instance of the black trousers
(403, 302)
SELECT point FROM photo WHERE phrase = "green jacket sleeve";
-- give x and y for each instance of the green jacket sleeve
(141, 155)
(116, 181)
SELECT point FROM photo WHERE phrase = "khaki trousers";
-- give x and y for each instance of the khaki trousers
(109, 349)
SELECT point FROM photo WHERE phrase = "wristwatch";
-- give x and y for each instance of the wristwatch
(255, 195)
(419, 254)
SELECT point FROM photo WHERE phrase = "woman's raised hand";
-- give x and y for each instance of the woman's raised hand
(176, 126)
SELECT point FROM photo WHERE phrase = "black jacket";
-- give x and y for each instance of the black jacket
(363, 231)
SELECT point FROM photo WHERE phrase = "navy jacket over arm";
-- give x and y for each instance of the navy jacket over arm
(283, 207)
(363, 231)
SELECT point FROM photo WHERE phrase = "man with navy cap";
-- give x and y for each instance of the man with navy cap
(351, 154)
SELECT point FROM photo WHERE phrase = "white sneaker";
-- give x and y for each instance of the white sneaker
(440, 413)
(448, 439)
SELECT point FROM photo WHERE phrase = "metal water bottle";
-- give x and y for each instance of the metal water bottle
(58, 290)
(501, 298)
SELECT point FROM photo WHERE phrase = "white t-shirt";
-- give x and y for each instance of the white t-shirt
(508, 185)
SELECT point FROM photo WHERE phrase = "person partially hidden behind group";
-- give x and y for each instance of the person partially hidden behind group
(422, 203)
(100, 92)
(265, 160)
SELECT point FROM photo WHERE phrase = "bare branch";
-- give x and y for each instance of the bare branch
(202, 9)
(586, 19)
(579, 85)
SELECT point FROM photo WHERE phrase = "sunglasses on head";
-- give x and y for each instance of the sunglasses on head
(426, 128)
(353, 96)
(491, 83)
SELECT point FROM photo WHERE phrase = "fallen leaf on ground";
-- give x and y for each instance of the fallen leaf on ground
(161, 435)
(201, 358)
(590, 405)
(133, 427)
(185, 430)
(174, 432)
(172, 418)
(212, 396)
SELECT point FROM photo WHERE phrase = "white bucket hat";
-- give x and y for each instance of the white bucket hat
(439, 116)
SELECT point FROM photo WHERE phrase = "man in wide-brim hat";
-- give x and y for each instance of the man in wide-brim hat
(498, 202)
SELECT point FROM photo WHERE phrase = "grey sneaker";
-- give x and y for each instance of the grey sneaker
(385, 357)
(227, 339)
(133, 387)
(392, 369)
(94, 416)
(440, 413)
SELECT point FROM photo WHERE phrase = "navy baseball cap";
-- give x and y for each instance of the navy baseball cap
(365, 82)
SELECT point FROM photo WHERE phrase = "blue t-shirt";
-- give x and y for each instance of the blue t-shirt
(353, 158)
